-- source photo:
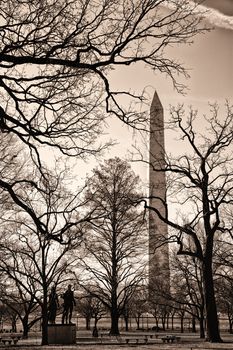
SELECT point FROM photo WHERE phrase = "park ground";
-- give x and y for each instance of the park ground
(188, 341)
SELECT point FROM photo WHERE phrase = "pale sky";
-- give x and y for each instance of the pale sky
(209, 62)
(223, 6)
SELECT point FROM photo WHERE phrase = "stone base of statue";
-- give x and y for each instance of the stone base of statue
(62, 334)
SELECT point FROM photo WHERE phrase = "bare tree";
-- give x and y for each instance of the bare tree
(116, 240)
(223, 261)
(84, 308)
(224, 292)
(160, 302)
(22, 305)
(90, 307)
(138, 305)
(42, 240)
(200, 184)
(57, 56)
(33, 265)
(188, 294)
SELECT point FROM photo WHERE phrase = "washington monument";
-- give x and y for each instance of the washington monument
(158, 231)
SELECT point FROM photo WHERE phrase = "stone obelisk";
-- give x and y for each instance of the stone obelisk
(158, 230)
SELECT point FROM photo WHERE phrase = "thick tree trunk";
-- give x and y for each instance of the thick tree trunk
(157, 322)
(182, 323)
(230, 320)
(44, 340)
(13, 325)
(114, 307)
(88, 323)
(202, 327)
(230, 327)
(44, 308)
(213, 334)
(44, 327)
(137, 319)
(126, 318)
(172, 319)
(168, 318)
(163, 320)
(25, 327)
(114, 323)
(95, 332)
(202, 322)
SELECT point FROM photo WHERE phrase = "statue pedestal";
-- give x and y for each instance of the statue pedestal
(62, 334)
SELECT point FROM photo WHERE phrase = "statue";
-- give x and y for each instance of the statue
(52, 306)
(68, 304)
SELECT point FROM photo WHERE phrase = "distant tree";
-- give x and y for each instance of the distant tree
(116, 240)
(138, 304)
(3, 315)
(9, 316)
(22, 305)
(84, 308)
(223, 257)
(199, 184)
(160, 303)
(224, 284)
(188, 294)
(224, 292)
(90, 307)
(98, 311)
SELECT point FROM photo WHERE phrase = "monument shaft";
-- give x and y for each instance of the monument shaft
(158, 231)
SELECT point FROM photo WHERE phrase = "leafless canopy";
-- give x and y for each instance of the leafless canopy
(56, 57)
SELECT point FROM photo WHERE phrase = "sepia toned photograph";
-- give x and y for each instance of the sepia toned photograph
(116, 174)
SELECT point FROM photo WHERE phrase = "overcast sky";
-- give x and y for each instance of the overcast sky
(209, 62)
(223, 6)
